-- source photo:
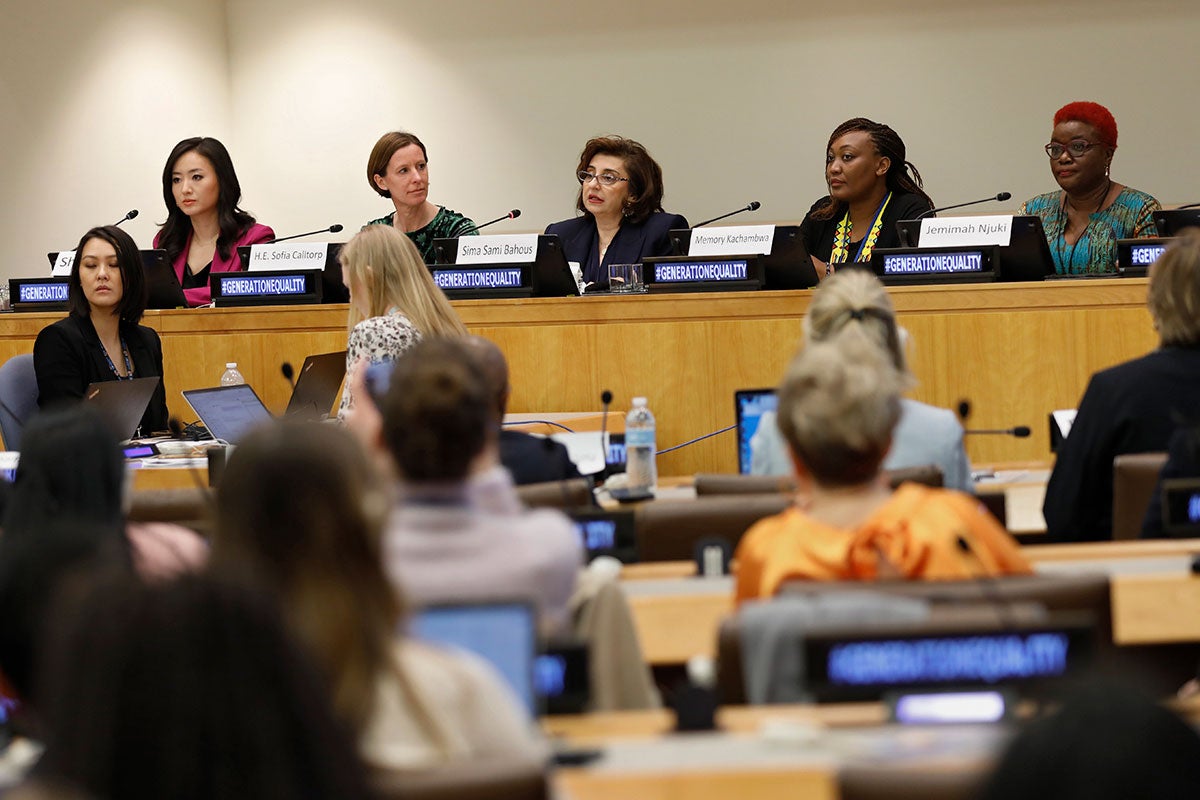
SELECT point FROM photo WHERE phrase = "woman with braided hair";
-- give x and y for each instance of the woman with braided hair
(871, 187)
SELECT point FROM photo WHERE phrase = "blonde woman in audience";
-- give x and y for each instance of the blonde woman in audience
(393, 301)
(838, 406)
(300, 513)
(924, 435)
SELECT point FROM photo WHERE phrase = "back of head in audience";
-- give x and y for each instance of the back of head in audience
(495, 372)
(838, 404)
(300, 513)
(1174, 292)
(438, 415)
(1105, 742)
(188, 690)
(71, 467)
(854, 302)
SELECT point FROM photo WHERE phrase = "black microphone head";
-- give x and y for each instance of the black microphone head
(132, 213)
(963, 544)
(606, 397)
(335, 228)
(1021, 431)
(288, 372)
(964, 409)
(176, 427)
(1003, 196)
(754, 205)
(516, 212)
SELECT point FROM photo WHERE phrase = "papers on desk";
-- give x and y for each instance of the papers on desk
(584, 450)
(171, 462)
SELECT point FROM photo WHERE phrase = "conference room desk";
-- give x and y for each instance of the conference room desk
(1155, 596)
(1015, 350)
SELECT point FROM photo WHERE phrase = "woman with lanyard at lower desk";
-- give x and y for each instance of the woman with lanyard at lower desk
(871, 187)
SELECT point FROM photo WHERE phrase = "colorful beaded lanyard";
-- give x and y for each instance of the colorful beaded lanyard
(128, 376)
(841, 237)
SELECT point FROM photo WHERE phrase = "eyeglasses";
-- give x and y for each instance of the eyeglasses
(1076, 147)
(604, 178)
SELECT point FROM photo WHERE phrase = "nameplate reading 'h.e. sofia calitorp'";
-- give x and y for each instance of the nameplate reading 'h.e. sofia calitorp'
(517, 248)
(732, 240)
(966, 231)
(287, 256)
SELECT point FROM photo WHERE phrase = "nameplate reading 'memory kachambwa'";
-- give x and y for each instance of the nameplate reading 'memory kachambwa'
(732, 240)
(966, 231)
(289, 256)
(517, 248)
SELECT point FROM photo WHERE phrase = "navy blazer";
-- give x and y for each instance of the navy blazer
(633, 242)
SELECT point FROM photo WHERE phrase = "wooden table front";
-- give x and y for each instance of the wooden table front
(1016, 351)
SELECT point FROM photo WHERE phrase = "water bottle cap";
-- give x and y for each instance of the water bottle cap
(639, 401)
(231, 365)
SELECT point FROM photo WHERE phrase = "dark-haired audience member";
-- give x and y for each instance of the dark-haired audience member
(623, 221)
(300, 514)
(204, 226)
(100, 339)
(1104, 743)
(1133, 407)
(72, 468)
(459, 532)
(838, 406)
(871, 187)
(398, 169)
(1183, 461)
(528, 458)
(1085, 219)
(188, 690)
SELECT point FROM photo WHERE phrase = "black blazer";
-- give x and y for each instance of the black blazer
(67, 356)
(535, 459)
(632, 243)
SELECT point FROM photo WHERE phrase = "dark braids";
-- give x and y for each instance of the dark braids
(902, 176)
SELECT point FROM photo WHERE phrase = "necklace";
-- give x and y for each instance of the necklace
(1068, 266)
(841, 237)
(128, 376)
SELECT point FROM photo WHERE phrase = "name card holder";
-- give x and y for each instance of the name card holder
(476, 281)
(1134, 256)
(38, 294)
(703, 273)
(908, 266)
(288, 256)
(477, 276)
(276, 288)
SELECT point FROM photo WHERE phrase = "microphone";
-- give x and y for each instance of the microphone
(133, 212)
(964, 411)
(753, 205)
(516, 212)
(606, 398)
(1020, 431)
(1181, 208)
(335, 228)
(288, 373)
(1000, 198)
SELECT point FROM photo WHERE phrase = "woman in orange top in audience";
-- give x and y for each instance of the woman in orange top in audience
(838, 404)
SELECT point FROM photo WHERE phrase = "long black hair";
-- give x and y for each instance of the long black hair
(232, 220)
(902, 175)
(133, 280)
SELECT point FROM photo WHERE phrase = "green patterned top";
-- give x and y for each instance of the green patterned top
(1131, 216)
(446, 224)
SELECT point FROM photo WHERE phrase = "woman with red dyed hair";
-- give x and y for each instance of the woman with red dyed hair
(1084, 221)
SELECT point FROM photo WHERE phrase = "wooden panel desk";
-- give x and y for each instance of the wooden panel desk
(1016, 351)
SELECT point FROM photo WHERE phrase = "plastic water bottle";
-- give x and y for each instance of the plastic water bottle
(231, 376)
(640, 470)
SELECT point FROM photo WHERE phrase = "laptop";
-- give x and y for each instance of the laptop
(229, 412)
(122, 403)
(749, 405)
(317, 386)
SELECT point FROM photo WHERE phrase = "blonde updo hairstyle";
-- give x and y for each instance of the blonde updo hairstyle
(1173, 295)
(854, 302)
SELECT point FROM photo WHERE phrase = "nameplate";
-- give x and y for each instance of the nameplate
(478, 278)
(701, 271)
(966, 231)
(26, 293)
(516, 248)
(732, 240)
(926, 262)
(266, 288)
(63, 262)
(1143, 255)
(287, 256)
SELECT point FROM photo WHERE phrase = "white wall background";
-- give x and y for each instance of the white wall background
(735, 99)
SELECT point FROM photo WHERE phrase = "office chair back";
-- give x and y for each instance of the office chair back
(18, 398)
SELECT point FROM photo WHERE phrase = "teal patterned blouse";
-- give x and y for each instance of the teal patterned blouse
(1131, 216)
(446, 224)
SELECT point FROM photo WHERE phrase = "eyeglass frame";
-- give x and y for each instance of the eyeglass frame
(603, 178)
(1066, 148)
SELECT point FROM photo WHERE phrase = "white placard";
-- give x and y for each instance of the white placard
(288, 255)
(513, 248)
(966, 231)
(62, 264)
(732, 240)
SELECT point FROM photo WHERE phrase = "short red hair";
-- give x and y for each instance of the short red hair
(1093, 114)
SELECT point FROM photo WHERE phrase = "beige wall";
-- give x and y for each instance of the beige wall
(735, 99)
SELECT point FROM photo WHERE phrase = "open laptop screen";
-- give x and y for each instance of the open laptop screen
(229, 412)
(749, 406)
